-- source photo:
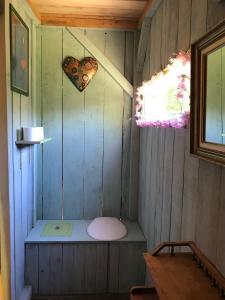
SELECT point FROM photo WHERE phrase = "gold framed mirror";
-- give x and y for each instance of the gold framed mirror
(208, 96)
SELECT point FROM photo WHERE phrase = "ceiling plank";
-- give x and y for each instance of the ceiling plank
(116, 12)
(103, 60)
(149, 11)
(88, 22)
(138, 5)
(97, 9)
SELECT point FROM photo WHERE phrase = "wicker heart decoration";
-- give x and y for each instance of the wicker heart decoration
(80, 72)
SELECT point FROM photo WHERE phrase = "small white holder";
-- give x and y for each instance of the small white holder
(32, 134)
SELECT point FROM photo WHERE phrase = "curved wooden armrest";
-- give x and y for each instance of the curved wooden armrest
(172, 245)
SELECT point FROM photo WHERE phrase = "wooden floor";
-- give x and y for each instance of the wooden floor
(86, 297)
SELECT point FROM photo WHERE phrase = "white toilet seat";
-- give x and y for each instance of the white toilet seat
(106, 229)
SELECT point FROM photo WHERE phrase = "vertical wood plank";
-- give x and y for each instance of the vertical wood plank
(184, 25)
(96, 268)
(190, 193)
(178, 183)
(79, 265)
(131, 266)
(208, 208)
(113, 122)
(164, 59)
(38, 114)
(17, 186)
(101, 268)
(220, 260)
(170, 13)
(94, 107)
(113, 268)
(26, 163)
(216, 13)
(50, 269)
(198, 21)
(31, 267)
(159, 194)
(145, 72)
(144, 168)
(155, 37)
(114, 48)
(34, 85)
(73, 137)
(147, 180)
(127, 112)
(52, 121)
(167, 184)
(134, 144)
(68, 270)
(173, 18)
(153, 188)
(74, 260)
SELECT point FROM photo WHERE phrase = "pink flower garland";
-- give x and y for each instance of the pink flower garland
(180, 120)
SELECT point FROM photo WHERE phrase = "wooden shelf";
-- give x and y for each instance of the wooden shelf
(33, 142)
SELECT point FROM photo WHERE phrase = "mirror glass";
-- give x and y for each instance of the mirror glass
(215, 97)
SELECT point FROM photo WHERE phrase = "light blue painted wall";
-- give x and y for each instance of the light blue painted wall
(20, 159)
(84, 171)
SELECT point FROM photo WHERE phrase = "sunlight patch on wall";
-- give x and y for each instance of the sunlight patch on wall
(164, 101)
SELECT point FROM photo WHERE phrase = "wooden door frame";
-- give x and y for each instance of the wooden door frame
(4, 169)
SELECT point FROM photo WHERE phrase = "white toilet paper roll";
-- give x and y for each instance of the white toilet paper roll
(33, 134)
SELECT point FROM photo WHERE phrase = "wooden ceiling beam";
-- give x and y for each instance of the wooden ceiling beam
(88, 22)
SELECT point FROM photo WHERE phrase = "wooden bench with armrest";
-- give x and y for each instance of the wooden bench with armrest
(180, 275)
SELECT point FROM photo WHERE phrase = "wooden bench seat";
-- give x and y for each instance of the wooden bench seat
(184, 275)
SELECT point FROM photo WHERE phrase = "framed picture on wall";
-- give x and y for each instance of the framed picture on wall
(19, 50)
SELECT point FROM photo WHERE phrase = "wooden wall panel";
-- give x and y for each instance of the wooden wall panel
(198, 20)
(131, 266)
(208, 208)
(73, 137)
(21, 170)
(84, 268)
(38, 119)
(50, 269)
(178, 184)
(93, 157)
(17, 155)
(184, 25)
(126, 205)
(52, 122)
(113, 125)
(167, 184)
(190, 198)
(87, 174)
(31, 274)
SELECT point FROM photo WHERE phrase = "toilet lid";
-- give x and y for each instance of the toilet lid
(106, 229)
